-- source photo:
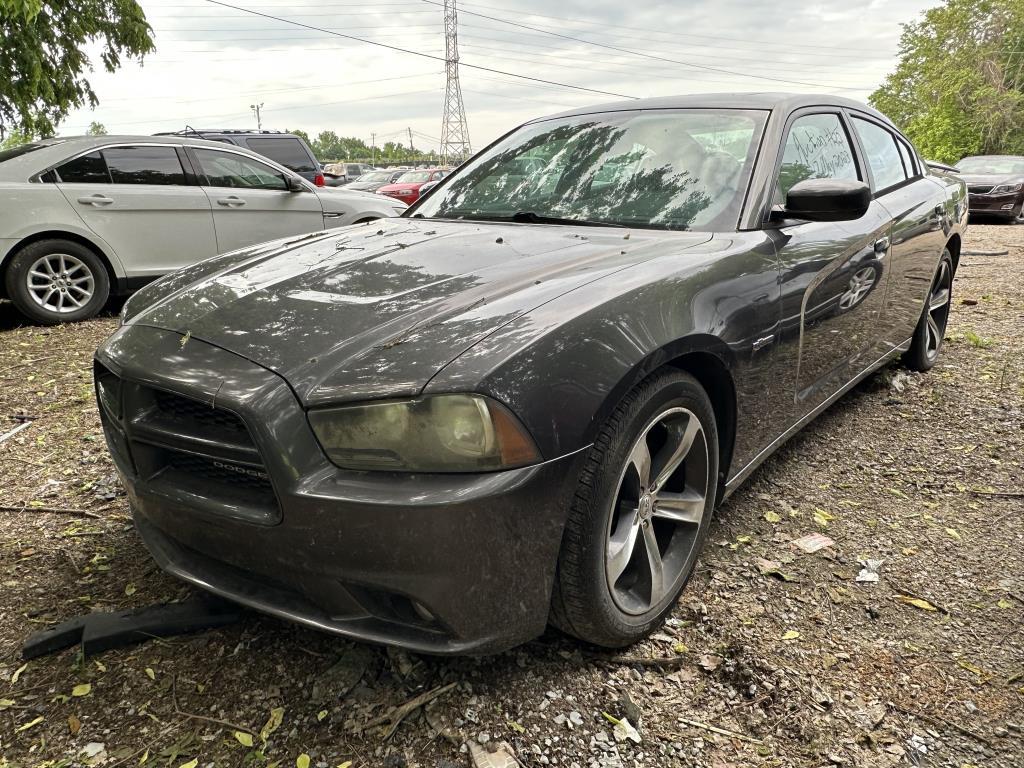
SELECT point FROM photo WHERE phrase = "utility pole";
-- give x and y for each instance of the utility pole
(373, 148)
(411, 149)
(256, 110)
(454, 131)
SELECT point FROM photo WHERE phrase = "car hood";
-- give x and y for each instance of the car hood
(341, 199)
(408, 185)
(991, 178)
(376, 310)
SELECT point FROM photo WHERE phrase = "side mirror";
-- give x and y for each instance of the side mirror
(294, 184)
(828, 200)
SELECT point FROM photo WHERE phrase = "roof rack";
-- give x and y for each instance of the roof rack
(190, 131)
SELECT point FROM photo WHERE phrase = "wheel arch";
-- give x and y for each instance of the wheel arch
(954, 244)
(710, 362)
(60, 234)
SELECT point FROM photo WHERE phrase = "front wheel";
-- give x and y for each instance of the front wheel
(640, 514)
(931, 328)
(57, 281)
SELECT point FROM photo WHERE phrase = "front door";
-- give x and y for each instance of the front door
(136, 198)
(251, 201)
(832, 273)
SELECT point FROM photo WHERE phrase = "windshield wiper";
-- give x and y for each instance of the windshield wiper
(531, 217)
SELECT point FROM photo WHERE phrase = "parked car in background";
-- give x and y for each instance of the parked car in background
(374, 180)
(995, 184)
(340, 174)
(285, 149)
(407, 188)
(84, 217)
(540, 382)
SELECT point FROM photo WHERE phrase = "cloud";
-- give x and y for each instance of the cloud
(212, 62)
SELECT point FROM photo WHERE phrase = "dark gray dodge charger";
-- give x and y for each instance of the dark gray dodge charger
(520, 402)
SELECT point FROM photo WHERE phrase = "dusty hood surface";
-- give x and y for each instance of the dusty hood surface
(375, 311)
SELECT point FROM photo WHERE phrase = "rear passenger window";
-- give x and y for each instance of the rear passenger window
(882, 154)
(817, 147)
(909, 164)
(144, 165)
(288, 152)
(87, 169)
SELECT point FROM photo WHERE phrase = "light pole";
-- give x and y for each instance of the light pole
(256, 110)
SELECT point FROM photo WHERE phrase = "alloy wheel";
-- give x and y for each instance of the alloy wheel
(859, 287)
(657, 511)
(60, 282)
(938, 309)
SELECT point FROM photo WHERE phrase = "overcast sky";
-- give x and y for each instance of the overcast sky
(211, 62)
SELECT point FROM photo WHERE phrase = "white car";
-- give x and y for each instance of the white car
(84, 217)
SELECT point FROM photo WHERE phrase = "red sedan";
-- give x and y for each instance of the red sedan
(407, 188)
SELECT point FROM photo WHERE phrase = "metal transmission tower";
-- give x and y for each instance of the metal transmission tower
(454, 132)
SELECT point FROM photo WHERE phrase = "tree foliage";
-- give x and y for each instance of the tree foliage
(329, 148)
(96, 129)
(43, 60)
(959, 86)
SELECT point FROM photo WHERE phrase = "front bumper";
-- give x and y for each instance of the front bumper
(1008, 204)
(433, 563)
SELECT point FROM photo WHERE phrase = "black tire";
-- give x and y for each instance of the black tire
(928, 336)
(92, 293)
(584, 603)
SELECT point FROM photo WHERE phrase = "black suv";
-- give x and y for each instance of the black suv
(286, 149)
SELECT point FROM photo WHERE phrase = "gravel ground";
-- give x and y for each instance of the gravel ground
(773, 657)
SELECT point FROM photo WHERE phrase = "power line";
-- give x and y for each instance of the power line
(417, 53)
(642, 54)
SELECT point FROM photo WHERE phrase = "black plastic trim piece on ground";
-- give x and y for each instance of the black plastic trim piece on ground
(99, 632)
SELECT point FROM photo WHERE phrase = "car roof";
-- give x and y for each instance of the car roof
(786, 102)
(57, 149)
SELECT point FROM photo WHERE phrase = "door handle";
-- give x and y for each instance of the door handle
(95, 200)
(881, 246)
(231, 202)
(940, 210)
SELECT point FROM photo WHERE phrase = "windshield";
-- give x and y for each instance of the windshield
(665, 169)
(994, 165)
(414, 176)
(375, 176)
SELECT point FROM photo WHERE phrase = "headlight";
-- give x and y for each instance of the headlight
(1006, 188)
(441, 433)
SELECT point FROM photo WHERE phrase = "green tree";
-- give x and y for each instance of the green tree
(959, 86)
(15, 139)
(43, 60)
(96, 129)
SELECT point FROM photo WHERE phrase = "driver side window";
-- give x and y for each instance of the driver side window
(226, 169)
(817, 147)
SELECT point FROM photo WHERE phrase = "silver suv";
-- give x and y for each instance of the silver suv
(85, 217)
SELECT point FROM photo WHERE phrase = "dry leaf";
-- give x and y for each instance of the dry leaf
(302, 761)
(822, 518)
(150, 673)
(791, 635)
(190, 764)
(243, 738)
(29, 724)
(273, 722)
(917, 602)
(321, 715)
(81, 690)
(74, 725)
(772, 517)
(17, 673)
(954, 534)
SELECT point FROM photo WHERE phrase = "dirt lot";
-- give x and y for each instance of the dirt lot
(787, 663)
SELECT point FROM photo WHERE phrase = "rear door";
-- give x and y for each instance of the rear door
(916, 207)
(141, 201)
(832, 273)
(251, 201)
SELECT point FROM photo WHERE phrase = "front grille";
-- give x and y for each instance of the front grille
(220, 472)
(195, 452)
(202, 417)
(979, 189)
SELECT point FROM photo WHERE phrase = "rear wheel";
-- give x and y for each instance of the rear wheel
(931, 328)
(57, 281)
(640, 514)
